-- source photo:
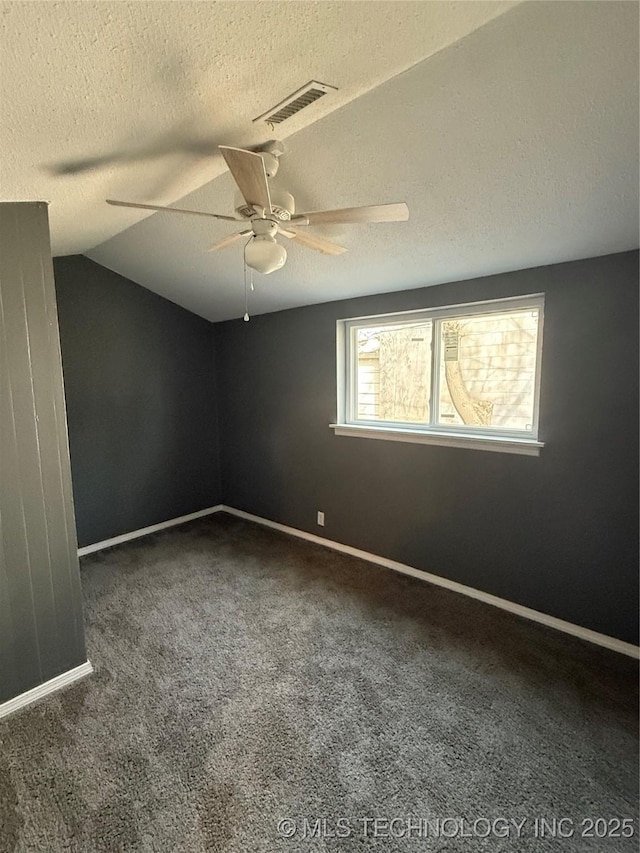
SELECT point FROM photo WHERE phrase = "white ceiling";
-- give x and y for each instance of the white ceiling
(512, 134)
(82, 79)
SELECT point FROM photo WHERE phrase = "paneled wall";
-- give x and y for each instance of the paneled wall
(41, 629)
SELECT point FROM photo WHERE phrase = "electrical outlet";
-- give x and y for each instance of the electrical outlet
(321, 519)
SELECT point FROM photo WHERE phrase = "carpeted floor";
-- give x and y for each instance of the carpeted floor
(245, 678)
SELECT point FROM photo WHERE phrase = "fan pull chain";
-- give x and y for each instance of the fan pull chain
(246, 297)
(246, 317)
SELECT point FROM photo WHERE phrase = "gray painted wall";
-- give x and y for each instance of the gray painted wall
(41, 629)
(558, 533)
(141, 402)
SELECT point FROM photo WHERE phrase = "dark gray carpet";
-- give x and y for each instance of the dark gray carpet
(244, 677)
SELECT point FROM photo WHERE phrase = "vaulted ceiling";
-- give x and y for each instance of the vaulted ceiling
(510, 129)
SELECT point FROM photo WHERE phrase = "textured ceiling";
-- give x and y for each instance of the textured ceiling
(83, 79)
(515, 143)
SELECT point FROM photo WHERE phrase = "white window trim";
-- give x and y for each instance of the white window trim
(524, 446)
(506, 441)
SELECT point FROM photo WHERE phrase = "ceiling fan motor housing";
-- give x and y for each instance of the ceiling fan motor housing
(264, 227)
(270, 152)
(282, 205)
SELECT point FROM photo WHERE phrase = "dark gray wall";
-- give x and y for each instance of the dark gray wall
(558, 533)
(141, 402)
(41, 630)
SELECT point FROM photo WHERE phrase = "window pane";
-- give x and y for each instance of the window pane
(487, 370)
(394, 373)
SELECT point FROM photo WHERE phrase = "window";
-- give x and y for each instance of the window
(464, 375)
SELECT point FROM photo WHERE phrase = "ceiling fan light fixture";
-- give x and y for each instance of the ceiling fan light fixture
(264, 255)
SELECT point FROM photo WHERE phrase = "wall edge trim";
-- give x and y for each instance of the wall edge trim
(145, 531)
(574, 630)
(45, 689)
(607, 642)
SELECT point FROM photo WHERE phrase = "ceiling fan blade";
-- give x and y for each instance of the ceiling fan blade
(372, 213)
(171, 209)
(229, 241)
(312, 242)
(249, 174)
(286, 232)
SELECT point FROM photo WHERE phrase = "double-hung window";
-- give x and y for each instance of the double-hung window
(466, 375)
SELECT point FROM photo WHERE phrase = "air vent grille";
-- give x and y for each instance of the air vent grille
(297, 101)
(295, 106)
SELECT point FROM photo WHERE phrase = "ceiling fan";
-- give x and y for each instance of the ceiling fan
(270, 211)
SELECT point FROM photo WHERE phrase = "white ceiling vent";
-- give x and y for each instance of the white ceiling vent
(296, 102)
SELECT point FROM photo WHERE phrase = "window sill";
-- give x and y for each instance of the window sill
(499, 444)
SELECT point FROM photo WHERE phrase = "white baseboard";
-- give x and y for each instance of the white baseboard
(504, 604)
(510, 606)
(45, 689)
(145, 531)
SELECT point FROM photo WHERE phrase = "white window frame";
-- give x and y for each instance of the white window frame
(475, 437)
